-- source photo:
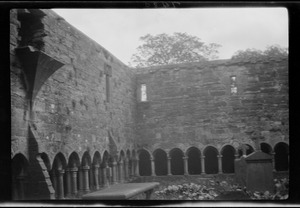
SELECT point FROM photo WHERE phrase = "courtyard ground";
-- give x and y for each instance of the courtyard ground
(211, 187)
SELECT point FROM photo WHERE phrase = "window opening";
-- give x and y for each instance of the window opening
(233, 85)
(143, 92)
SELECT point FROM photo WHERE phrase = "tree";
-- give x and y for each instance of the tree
(270, 51)
(165, 49)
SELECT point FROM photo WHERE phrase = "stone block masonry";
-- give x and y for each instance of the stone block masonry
(193, 103)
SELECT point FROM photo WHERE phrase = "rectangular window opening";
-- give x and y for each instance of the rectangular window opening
(143, 93)
(233, 85)
(107, 80)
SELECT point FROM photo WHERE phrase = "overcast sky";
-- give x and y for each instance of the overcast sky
(119, 30)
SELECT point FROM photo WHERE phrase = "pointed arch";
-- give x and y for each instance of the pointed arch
(46, 160)
(59, 161)
(74, 160)
(19, 173)
(96, 158)
(86, 159)
(121, 156)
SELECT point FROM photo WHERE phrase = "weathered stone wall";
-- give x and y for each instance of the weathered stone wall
(70, 111)
(191, 104)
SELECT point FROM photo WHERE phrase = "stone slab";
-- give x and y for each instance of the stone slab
(121, 191)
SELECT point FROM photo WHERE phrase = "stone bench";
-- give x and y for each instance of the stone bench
(122, 191)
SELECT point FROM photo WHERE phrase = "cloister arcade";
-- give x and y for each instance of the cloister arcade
(73, 176)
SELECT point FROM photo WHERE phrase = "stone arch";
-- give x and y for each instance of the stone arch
(19, 173)
(211, 159)
(144, 162)
(161, 162)
(86, 159)
(266, 148)
(281, 150)
(87, 173)
(96, 158)
(133, 154)
(194, 160)
(128, 154)
(59, 162)
(121, 156)
(228, 155)
(249, 150)
(74, 160)
(46, 160)
(177, 164)
(105, 157)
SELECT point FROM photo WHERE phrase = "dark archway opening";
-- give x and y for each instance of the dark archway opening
(19, 174)
(161, 163)
(266, 148)
(228, 159)
(249, 150)
(211, 160)
(144, 163)
(281, 157)
(177, 162)
(194, 161)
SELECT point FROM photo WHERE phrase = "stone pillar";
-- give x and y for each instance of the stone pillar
(114, 172)
(20, 182)
(80, 176)
(132, 167)
(74, 181)
(96, 177)
(85, 178)
(185, 165)
(137, 168)
(60, 184)
(108, 174)
(54, 182)
(68, 187)
(91, 178)
(129, 168)
(104, 176)
(126, 169)
(202, 164)
(121, 172)
(220, 163)
(236, 156)
(169, 166)
(152, 167)
(273, 161)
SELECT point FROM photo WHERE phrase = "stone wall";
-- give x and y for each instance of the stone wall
(70, 111)
(192, 105)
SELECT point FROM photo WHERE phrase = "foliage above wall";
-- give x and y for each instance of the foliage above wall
(163, 49)
(251, 53)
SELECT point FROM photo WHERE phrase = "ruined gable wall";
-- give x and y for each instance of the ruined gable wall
(191, 104)
(70, 110)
